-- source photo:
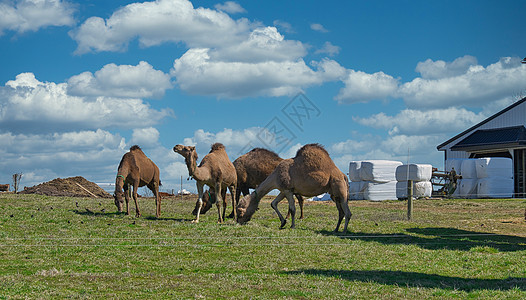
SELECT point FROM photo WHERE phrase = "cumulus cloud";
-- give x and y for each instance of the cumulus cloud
(31, 15)
(318, 27)
(364, 87)
(124, 81)
(230, 7)
(430, 69)
(145, 137)
(420, 122)
(157, 22)
(463, 83)
(262, 44)
(196, 72)
(29, 104)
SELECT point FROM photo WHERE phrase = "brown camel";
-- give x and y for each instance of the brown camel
(311, 172)
(138, 170)
(216, 171)
(252, 169)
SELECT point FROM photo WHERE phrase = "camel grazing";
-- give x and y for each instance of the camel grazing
(311, 172)
(138, 170)
(252, 169)
(216, 171)
(209, 198)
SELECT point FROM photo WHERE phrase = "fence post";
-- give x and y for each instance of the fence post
(409, 199)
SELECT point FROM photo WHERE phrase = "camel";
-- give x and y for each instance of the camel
(209, 198)
(311, 172)
(216, 171)
(138, 170)
(252, 169)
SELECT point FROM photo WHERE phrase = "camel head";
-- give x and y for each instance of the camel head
(118, 197)
(209, 198)
(246, 207)
(189, 154)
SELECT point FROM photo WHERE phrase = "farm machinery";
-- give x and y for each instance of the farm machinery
(444, 182)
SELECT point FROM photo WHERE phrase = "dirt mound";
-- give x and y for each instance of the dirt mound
(70, 187)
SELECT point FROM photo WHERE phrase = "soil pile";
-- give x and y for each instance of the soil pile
(69, 187)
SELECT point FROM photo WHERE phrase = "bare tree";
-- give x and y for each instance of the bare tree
(16, 181)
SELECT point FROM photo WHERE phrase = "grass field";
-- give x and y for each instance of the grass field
(58, 247)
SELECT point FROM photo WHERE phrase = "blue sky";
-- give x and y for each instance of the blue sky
(82, 81)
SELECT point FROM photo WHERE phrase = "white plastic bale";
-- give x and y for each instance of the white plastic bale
(420, 189)
(376, 191)
(495, 187)
(468, 169)
(354, 170)
(379, 171)
(415, 172)
(494, 167)
(355, 190)
(467, 187)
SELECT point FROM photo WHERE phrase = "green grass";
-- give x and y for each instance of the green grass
(51, 247)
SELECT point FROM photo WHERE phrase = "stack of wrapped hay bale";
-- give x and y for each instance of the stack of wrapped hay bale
(373, 180)
(489, 177)
(420, 174)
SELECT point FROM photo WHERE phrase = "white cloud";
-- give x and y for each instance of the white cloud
(124, 81)
(430, 69)
(31, 15)
(261, 45)
(420, 122)
(197, 73)
(318, 27)
(329, 49)
(476, 86)
(443, 84)
(157, 22)
(363, 87)
(27, 104)
(230, 7)
(145, 137)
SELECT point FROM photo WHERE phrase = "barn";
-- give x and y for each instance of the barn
(501, 135)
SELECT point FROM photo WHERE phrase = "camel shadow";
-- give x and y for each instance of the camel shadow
(441, 238)
(419, 280)
(88, 212)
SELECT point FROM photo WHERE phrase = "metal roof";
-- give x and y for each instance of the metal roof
(482, 123)
(493, 139)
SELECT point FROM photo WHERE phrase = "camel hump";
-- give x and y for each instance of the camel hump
(264, 151)
(217, 146)
(309, 148)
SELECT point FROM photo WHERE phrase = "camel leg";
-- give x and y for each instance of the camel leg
(274, 205)
(233, 192)
(292, 208)
(239, 190)
(300, 202)
(126, 189)
(343, 211)
(340, 213)
(200, 200)
(219, 202)
(155, 191)
(223, 195)
(135, 188)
